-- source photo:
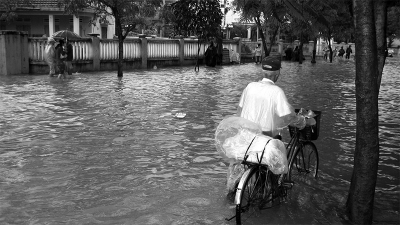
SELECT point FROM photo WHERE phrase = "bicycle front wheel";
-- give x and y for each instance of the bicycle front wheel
(253, 193)
(304, 164)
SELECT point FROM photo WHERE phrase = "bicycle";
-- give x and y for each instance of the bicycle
(260, 189)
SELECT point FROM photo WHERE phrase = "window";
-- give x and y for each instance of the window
(46, 30)
(103, 32)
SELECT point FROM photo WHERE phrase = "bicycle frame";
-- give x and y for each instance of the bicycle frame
(291, 147)
(295, 149)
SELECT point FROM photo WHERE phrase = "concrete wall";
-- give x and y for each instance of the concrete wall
(14, 55)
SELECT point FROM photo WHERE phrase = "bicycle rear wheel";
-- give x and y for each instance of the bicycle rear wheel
(253, 193)
(304, 164)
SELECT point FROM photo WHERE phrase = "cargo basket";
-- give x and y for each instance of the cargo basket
(309, 132)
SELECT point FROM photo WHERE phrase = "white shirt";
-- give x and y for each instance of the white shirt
(266, 104)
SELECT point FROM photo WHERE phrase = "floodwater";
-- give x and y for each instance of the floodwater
(95, 150)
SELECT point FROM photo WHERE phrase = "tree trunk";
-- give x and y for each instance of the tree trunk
(120, 56)
(272, 42)
(120, 42)
(301, 52)
(380, 24)
(197, 66)
(219, 50)
(264, 43)
(360, 200)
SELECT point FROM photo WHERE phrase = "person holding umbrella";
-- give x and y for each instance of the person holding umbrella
(68, 60)
(60, 58)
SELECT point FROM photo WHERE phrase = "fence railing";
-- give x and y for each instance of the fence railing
(93, 54)
(132, 49)
(160, 49)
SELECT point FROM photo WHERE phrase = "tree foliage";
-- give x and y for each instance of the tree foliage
(9, 8)
(201, 18)
(267, 15)
(127, 14)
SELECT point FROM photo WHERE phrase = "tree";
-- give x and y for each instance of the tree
(259, 12)
(128, 14)
(9, 8)
(338, 24)
(201, 18)
(168, 17)
(300, 14)
(370, 33)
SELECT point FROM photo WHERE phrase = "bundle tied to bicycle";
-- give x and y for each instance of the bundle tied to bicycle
(239, 139)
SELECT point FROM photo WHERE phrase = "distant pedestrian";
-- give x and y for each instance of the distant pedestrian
(348, 52)
(257, 53)
(288, 52)
(326, 50)
(341, 52)
(335, 52)
(295, 56)
(211, 55)
(68, 61)
(50, 54)
(234, 57)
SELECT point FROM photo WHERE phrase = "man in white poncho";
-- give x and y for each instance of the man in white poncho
(50, 54)
(265, 104)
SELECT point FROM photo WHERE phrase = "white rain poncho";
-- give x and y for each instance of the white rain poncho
(237, 137)
(50, 53)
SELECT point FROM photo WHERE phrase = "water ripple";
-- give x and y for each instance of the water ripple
(95, 149)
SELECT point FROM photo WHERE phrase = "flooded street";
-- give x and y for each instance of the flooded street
(96, 150)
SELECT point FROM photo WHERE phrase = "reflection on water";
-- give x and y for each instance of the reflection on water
(97, 150)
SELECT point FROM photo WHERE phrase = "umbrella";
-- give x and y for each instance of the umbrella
(66, 34)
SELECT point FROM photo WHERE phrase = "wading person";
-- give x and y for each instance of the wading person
(348, 52)
(341, 52)
(68, 60)
(264, 103)
(60, 58)
(257, 53)
(211, 55)
(50, 54)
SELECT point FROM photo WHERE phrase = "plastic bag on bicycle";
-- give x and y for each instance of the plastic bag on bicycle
(267, 151)
(234, 138)
(234, 134)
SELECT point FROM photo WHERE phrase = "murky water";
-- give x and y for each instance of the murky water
(95, 150)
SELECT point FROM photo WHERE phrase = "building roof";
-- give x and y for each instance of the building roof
(33, 4)
(47, 3)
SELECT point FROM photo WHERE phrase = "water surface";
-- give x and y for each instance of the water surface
(97, 150)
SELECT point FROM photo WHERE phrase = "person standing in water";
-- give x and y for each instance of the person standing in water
(50, 54)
